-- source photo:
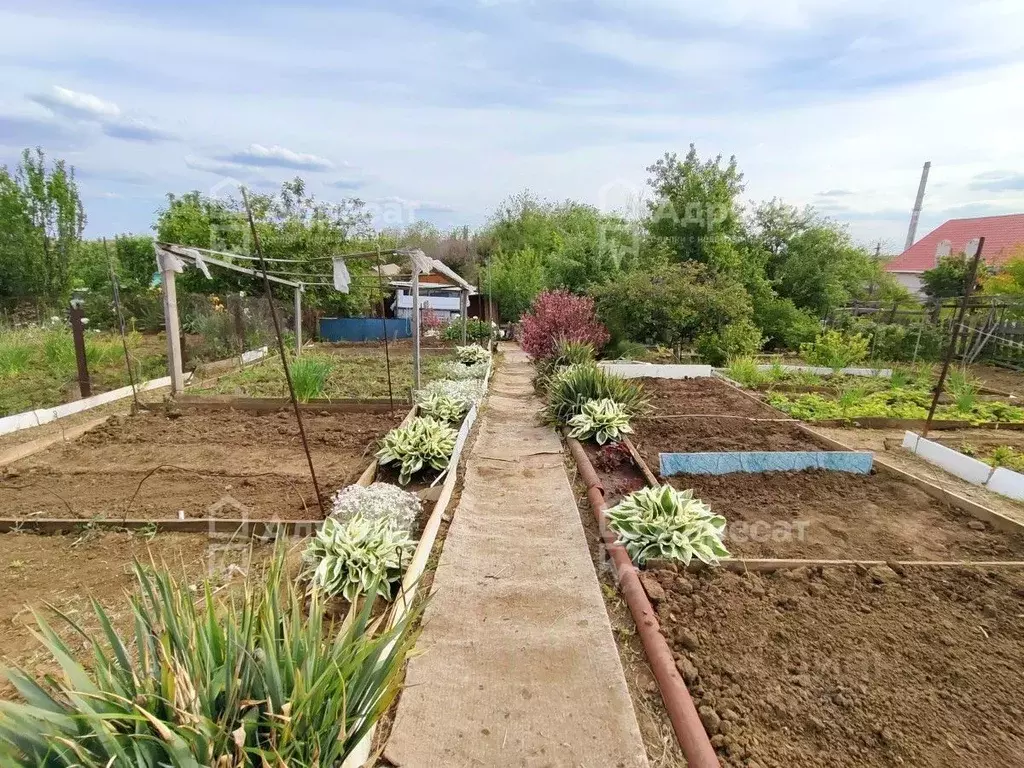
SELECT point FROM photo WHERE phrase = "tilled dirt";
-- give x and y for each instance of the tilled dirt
(219, 464)
(840, 667)
(97, 564)
(696, 435)
(816, 514)
(701, 396)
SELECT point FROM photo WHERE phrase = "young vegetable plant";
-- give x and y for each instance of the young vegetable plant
(472, 354)
(425, 442)
(442, 407)
(357, 557)
(602, 420)
(309, 377)
(663, 523)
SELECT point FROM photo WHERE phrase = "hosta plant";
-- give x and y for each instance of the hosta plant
(357, 557)
(570, 389)
(453, 369)
(602, 420)
(255, 679)
(378, 501)
(441, 407)
(663, 523)
(425, 442)
(472, 354)
(466, 391)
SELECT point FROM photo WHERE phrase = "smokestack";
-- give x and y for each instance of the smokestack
(918, 204)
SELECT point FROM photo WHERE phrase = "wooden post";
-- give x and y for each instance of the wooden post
(972, 275)
(298, 321)
(77, 317)
(173, 329)
(415, 327)
(463, 309)
(239, 313)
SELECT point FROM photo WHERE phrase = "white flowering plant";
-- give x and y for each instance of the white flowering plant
(466, 391)
(357, 557)
(378, 501)
(453, 369)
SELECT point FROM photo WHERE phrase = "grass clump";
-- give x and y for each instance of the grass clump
(260, 679)
(309, 377)
(570, 389)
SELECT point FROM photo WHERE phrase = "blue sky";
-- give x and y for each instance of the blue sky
(439, 109)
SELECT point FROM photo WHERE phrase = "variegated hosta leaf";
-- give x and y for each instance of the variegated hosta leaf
(442, 407)
(348, 558)
(466, 391)
(472, 354)
(663, 523)
(602, 419)
(424, 442)
(453, 369)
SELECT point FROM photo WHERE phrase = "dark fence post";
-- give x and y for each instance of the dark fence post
(76, 315)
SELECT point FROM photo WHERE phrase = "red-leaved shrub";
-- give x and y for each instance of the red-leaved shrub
(556, 316)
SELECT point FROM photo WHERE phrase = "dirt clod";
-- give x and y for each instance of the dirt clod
(710, 719)
(686, 669)
(652, 587)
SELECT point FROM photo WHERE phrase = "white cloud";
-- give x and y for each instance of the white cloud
(277, 157)
(75, 104)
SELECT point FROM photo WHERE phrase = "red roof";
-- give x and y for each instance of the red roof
(1003, 235)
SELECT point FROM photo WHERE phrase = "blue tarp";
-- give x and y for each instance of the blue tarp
(763, 461)
(364, 328)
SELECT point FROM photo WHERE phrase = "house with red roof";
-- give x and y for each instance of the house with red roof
(1004, 236)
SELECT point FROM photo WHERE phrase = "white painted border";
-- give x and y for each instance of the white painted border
(657, 370)
(28, 419)
(884, 373)
(999, 480)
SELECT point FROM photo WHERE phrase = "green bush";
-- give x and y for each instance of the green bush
(737, 339)
(833, 349)
(569, 390)
(476, 330)
(258, 680)
(900, 343)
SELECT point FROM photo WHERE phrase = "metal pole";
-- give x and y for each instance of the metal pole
(384, 326)
(463, 309)
(416, 327)
(76, 315)
(173, 332)
(298, 320)
(972, 274)
(280, 348)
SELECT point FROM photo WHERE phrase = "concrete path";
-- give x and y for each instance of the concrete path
(518, 665)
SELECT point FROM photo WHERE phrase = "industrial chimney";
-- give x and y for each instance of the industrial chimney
(918, 204)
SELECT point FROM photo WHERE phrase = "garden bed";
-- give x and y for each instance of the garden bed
(817, 514)
(227, 464)
(36, 574)
(358, 373)
(696, 435)
(701, 396)
(840, 667)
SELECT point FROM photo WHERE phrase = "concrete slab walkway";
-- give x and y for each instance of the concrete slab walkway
(518, 665)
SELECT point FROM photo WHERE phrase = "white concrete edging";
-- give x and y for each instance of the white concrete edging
(40, 416)
(657, 370)
(1000, 480)
(884, 373)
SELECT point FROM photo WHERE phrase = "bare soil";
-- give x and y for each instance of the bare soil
(672, 397)
(90, 564)
(839, 667)
(219, 464)
(817, 514)
(695, 435)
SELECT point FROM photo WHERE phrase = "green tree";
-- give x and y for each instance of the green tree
(695, 208)
(948, 278)
(514, 280)
(41, 224)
